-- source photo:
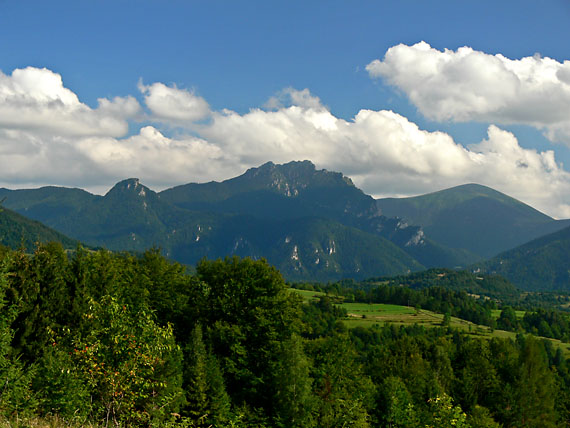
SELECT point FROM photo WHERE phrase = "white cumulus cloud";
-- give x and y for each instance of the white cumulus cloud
(35, 99)
(292, 96)
(48, 136)
(469, 85)
(159, 160)
(388, 155)
(173, 104)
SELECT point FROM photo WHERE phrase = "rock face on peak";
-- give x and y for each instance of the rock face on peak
(131, 187)
(130, 184)
(278, 191)
(291, 178)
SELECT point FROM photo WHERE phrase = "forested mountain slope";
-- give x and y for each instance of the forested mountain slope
(473, 217)
(312, 224)
(17, 230)
(542, 264)
(46, 204)
(298, 189)
(309, 223)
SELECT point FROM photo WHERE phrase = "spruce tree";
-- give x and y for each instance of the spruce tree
(218, 399)
(535, 388)
(15, 393)
(293, 385)
(195, 381)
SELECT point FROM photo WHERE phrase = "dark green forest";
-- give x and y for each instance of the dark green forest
(95, 338)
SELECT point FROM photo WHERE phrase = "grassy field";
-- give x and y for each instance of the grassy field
(379, 314)
(496, 313)
(368, 314)
(308, 295)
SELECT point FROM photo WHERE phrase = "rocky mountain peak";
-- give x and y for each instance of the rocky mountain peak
(131, 186)
(291, 178)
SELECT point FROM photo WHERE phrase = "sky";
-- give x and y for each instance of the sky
(405, 97)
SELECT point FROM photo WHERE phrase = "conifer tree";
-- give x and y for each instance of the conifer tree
(39, 287)
(195, 382)
(249, 313)
(15, 380)
(535, 388)
(293, 384)
(219, 400)
(396, 407)
(344, 392)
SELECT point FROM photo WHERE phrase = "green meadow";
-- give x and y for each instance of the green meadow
(380, 314)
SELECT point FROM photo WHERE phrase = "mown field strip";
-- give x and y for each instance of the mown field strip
(370, 314)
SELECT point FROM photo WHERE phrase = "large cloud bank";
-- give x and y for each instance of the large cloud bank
(47, 136)
(468, 85)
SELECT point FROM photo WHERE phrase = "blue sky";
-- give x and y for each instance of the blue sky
(227, 59)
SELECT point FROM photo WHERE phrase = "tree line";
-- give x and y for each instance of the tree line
(116, 339)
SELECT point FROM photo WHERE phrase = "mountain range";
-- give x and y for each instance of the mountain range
(311, 224)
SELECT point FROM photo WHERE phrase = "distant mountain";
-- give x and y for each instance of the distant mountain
(47, 204)
(309, 223)
(17, 231)
(542, 264)
(298, 189)
(472, 217)
(306, 248)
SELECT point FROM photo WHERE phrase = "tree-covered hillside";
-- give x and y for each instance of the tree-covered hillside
(17, 230)
(106, 339)
(472, 217)
(493, 286)
(542, 264)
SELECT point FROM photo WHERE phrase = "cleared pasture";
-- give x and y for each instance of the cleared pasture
(379, 314)
(496, 313)
(368, 314)
(308, 295)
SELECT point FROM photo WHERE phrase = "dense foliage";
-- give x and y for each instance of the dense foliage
(541, 264)
(134, 340)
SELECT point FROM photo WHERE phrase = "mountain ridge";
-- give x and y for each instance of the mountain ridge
(18, 231)
(541, 264)
(473, 217)
(248, 215)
